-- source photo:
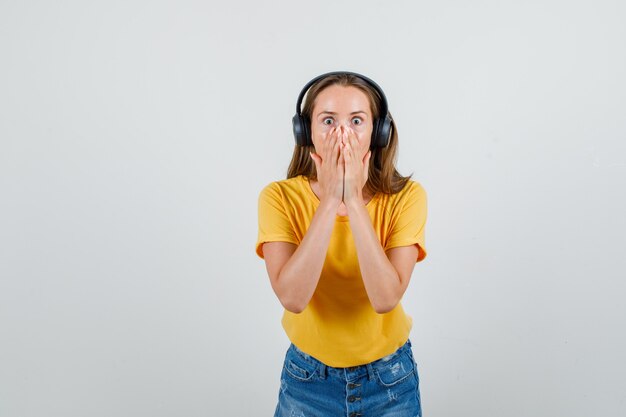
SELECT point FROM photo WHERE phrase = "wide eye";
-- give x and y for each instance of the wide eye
(357, 120)
(327, 120)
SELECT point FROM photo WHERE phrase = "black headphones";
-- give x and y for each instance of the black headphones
(382, 125)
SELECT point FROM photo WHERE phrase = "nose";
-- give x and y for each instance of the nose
(345, 127)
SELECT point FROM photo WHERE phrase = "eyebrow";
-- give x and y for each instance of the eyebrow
(333, 113)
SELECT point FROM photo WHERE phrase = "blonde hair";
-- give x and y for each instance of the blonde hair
(382, 175)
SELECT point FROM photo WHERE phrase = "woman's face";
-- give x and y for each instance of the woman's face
(349, 107)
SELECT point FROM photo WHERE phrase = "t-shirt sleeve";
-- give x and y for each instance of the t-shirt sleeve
(274, 224)
(410, 223)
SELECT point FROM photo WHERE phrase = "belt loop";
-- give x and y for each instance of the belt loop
(370, 371)
(323, 370)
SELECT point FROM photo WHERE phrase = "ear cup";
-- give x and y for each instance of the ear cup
(300, 130)
(384, 131)
(381, 132)
(307, 132)
(374, 141)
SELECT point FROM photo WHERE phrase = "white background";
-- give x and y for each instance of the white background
(136, 136)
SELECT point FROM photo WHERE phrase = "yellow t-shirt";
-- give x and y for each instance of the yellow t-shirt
(339, 326)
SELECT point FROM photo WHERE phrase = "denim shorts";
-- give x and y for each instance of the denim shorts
(386, 387)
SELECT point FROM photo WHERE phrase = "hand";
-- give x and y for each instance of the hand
(356, 167)
(330, 168)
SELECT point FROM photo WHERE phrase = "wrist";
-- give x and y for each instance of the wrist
(329, 204)
(354, 202)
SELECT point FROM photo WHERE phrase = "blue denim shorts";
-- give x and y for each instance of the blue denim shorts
(386, 387)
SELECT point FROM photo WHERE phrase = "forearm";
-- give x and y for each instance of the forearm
(380, 278)
(299, 276)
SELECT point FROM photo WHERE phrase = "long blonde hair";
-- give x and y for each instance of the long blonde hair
(382, 174)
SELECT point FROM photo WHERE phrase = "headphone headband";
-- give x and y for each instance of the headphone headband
(384, 109)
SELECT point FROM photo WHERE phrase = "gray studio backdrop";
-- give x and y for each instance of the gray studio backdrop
(136, 136)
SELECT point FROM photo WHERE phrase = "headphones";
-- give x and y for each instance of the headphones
(382, 125)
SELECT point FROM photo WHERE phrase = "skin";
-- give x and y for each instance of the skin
(341, 142)
(341, 129)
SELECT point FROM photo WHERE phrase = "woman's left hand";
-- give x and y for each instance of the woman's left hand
(355, 168)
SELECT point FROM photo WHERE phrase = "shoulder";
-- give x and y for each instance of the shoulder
(282, 188)
(413, 197)
(415, 191)
(412, 190)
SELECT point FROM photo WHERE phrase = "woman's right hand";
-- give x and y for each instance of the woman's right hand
(330, 167)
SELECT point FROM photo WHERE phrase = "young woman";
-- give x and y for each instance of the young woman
(340, 238)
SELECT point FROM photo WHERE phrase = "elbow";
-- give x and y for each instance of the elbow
(292, 305)
(290, 300)
(384, 308)
(387, 300)
(293, 308)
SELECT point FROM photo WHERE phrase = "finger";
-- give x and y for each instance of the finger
(315, 158)
(317, 165)
(349, 134)
(353, 139)
(329, 137)
(346, 153)
(338, 135)
(336, 147)
(332, 130)
(334, 150)
(341, 164)
(367, 157)
(349, 148)
(341, 169)
(328, 149)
